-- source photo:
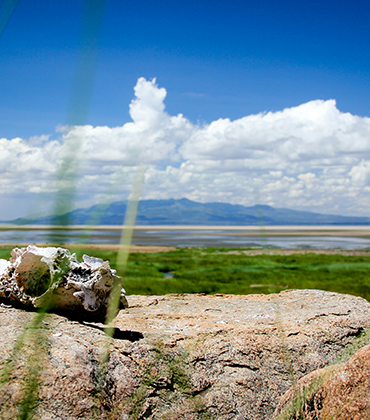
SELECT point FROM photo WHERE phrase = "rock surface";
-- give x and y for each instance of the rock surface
(53, 278)
(180, 356)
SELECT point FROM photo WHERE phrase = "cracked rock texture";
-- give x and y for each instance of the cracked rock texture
(178, 356)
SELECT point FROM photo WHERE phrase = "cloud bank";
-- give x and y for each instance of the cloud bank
(311, 156)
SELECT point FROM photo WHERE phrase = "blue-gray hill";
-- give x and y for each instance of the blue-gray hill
(187, 212)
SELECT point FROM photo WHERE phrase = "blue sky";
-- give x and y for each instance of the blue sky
(215, 60)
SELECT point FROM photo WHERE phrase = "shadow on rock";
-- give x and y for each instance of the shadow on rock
(77, 317)
(118, 333)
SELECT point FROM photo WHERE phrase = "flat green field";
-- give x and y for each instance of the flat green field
(212, 270)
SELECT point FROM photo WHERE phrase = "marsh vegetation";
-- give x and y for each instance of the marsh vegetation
(217, 270)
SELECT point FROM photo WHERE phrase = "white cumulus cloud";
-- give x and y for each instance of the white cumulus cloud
(311, 156)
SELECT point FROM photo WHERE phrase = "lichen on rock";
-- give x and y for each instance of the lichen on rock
(52, 278)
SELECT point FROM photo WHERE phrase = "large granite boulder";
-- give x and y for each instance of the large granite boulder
(177, 356)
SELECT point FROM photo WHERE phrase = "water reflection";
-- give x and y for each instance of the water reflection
(228, 239)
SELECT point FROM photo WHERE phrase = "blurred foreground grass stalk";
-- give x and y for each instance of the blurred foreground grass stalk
(32, 337)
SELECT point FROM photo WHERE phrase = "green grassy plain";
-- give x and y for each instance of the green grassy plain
(212, 270)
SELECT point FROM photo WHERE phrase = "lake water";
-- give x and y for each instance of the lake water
(188, 238)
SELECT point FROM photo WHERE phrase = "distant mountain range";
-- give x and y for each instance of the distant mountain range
(187, 212)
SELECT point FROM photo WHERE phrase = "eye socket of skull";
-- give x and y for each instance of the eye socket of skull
(36, 282)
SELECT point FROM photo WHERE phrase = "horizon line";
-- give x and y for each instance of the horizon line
(247, 230)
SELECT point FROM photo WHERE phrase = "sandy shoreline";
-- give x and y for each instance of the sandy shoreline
(108, 247)
(275, 231)
(150, 249)
(240, 231)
